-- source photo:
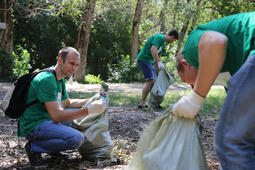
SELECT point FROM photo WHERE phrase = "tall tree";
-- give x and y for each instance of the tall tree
(162, 17)
(83, 39)
(6, 39)
(6, 32)
(135, 30)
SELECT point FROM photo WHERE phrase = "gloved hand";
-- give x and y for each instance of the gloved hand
(188, 106)
(160, 65)
(96, 106)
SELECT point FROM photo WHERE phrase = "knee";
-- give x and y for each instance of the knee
(151, 83)
(75, 141)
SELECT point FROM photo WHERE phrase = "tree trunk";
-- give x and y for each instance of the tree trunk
(6, 31)
(135, 29)
(163, 29)
(83, 39)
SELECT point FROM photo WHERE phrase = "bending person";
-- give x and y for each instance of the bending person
(224, 45)
(148, 55)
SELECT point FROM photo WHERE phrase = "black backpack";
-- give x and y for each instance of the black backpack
(13, 103)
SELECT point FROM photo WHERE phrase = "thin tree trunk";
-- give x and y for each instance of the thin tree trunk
(6, 33)
(135, 29)
(163, 29)
(6, 38)
(83, 39)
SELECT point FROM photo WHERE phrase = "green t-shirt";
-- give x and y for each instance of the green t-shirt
(240, 31)
(145, 54)
(45, 88)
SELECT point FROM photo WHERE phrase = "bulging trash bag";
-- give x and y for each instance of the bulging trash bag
(170, 143)
(97, 144)
(157, 94)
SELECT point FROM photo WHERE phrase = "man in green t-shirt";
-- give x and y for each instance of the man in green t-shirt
(151, 52)
(41, 122)
(225, 45)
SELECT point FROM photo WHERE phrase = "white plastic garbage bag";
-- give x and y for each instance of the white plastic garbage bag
(97, 144)
(157, 94)
(170, 143)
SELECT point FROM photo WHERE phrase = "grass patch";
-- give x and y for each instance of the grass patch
(212, 105)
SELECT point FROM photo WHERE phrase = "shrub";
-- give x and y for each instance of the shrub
(21, 61)
(92, 79)
(6, 64)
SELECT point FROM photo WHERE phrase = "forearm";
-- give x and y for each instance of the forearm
(154, 53)
(212, 51)
(60, 115)
(68, 115)
(74, 103)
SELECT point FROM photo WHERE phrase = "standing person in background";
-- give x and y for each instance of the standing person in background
(151, 52)
(41, 122)
(224, 45)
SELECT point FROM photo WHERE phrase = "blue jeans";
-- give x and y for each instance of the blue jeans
(50, 137)
(235, 130)
(148, 69)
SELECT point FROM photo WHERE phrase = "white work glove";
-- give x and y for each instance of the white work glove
(160, 65)
(96, 106)
(188, 106)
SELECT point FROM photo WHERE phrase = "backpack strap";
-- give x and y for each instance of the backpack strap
(49, 69)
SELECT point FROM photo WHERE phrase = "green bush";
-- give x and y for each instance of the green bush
(124, 72)
(6, 63)
(21, 61)
(92, 79)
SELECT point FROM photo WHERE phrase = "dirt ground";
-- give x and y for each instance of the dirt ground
(125, 127)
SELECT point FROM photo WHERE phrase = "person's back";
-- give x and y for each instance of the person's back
(145, 54)
(238, 28)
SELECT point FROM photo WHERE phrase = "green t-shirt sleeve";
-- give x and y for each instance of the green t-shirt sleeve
(190, 50)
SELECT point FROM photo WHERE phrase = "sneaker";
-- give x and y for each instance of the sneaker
(35, 158)
(58, 155)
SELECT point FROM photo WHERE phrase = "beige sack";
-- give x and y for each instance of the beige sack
(97, 144)
(170, 143)
(157, 94)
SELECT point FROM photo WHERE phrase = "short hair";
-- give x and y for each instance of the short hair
(64, 51)
(174, 33)
(179, 65)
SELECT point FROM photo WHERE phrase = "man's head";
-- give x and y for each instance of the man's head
(68, 61)
(172, 36)
(187, 73)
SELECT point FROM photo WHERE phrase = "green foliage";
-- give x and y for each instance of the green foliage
(6, 63)
(43, 36)
(43, 27)
(91, 79)
(21, 62)
(110, 38)
(124, 72)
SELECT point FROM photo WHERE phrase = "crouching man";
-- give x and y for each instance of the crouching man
(41, 122)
